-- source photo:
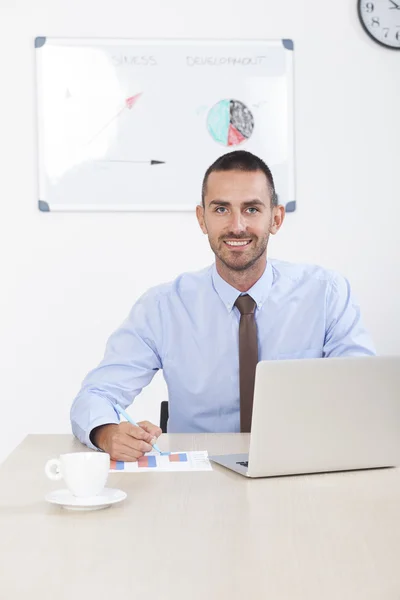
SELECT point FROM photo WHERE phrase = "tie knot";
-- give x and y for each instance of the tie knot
(245, 304)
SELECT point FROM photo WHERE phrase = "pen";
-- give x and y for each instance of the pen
(130, 420)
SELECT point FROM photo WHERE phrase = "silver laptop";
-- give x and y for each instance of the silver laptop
(320, 415)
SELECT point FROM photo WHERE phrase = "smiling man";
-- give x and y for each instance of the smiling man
(207, 330)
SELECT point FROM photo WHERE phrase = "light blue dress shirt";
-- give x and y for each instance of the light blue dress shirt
(190, 328)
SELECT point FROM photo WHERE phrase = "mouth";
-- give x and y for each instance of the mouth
(237, 245)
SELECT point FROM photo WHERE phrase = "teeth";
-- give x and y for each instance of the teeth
(237, 243)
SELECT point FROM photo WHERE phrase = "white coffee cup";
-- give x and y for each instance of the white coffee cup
(85, 473)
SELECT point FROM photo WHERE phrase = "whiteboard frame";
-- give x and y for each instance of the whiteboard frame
(45, 206)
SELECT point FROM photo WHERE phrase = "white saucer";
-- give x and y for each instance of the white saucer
(65, 499)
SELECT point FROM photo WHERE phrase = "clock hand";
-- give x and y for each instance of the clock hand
(395, 5)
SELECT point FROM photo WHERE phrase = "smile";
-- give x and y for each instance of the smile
(237, 242)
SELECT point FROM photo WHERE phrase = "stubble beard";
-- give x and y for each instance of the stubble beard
(238, 265)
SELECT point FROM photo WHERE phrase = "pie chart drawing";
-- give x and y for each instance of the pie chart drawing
(230, 122)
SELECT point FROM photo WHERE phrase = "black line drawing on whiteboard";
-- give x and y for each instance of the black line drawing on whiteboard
(134, 162)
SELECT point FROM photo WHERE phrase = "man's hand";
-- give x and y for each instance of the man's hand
(125, 441)
(152, 429)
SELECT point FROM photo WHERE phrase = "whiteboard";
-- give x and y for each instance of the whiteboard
(127, 125)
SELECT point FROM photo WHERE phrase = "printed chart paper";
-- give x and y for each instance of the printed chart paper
(174, 461)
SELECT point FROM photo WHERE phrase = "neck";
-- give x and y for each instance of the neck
(242, 280)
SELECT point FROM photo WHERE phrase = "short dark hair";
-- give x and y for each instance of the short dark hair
(240, 160)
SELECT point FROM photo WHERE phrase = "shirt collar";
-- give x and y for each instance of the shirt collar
(228, 294)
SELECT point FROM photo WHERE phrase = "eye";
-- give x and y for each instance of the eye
(252, 210)
(219, 209)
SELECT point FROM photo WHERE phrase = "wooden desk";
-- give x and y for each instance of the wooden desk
(192, 536)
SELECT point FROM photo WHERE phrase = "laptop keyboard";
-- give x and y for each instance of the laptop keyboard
(244, 463)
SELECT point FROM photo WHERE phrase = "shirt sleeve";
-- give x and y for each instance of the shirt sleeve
(131, 359)
(345, 332)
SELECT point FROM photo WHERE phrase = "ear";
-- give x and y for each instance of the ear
(200, 218)
(278, 214)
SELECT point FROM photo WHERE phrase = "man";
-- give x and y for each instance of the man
(207, 330)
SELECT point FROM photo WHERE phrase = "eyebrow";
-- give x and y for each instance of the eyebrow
(255, 202)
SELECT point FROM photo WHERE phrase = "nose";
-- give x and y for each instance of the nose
(238, 223)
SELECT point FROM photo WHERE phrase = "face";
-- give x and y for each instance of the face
(238, 217)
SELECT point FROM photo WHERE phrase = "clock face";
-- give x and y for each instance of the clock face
(381, 20)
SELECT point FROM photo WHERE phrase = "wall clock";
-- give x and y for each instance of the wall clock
(381, 20)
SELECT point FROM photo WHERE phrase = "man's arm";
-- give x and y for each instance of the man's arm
(345, 332)
(130, 362)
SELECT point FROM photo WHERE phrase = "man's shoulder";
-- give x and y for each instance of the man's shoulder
(302, 272)
(185, 282)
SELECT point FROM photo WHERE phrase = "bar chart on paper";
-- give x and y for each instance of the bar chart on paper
(174, 461)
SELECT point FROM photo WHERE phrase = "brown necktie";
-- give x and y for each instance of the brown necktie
(248, 358)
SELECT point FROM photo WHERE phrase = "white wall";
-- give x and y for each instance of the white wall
(69, 279)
